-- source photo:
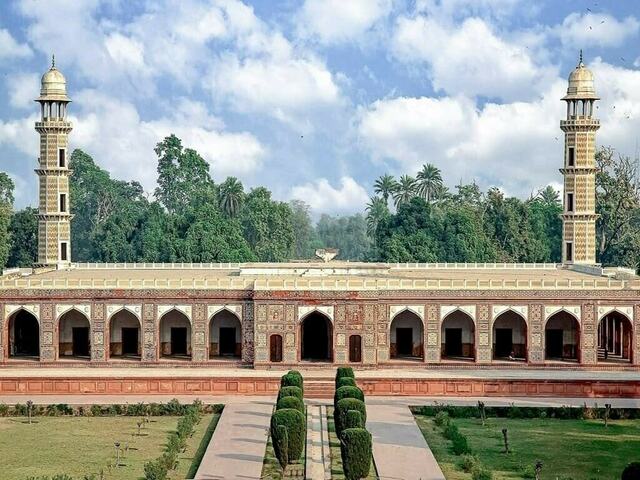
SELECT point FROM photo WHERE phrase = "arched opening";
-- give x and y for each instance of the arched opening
(316, 333)
(615, 338)
(275, 348)
(458, 337)
(355, 348)
(562, 337)
(175, 335)
(225, 335)
(510, 337)
(74, 336)
(24, 336)
(124, 336)
(406, 336)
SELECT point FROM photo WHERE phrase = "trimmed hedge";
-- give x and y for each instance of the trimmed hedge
(346, 382)
(353, 419)
(347, 392)
(291, 392)
(341, 409)
(280, 440)
(356, 453)
(562, 413)
(290, 402)
(292, 379)
(344, 372)
(295, 424)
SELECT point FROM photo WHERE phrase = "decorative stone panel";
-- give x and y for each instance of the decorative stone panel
(588, 331)
(396, 309)
(150, 333)
(199, 331)
(99, 333)
(535, 330)
(636, 335)
(447, 309)
(163, 309)
(604, 310)
(304, 310)
(432, 329)
(522, 310)
(236, 309)
(550, 310)
(115, 308)
(483, 349)
(247, 323)
(84, 308)
(10, 309)
(47, 329)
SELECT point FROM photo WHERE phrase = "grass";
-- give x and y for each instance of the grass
(337, 473)
(82, 445)
(569, 449)
(189, 461)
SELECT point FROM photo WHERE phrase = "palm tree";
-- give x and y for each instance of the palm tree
(377, 210)
(405, 191)
(429, 181)
(386, 186)
(231, 196)
(549, 196)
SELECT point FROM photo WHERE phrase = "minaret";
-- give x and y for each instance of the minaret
(54, 232)
(579, 215)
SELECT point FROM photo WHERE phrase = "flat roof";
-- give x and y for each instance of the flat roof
(335, 275)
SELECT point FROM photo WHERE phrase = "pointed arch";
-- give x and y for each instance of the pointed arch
(73, 333)
(406, 335)
(316, 337)
(123, 333)
(562, 336)
(225, 334)
(458, 335)
(306, 310)
(174, 334)
(135, 310)
(509, 333)
(22, 333)
(615, 336)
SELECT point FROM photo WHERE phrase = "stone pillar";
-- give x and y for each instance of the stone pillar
(432, 343)
(340, 332)
(369, 356)
(4, 343)
(247, 332)
(47, 329)
(199, 326)
(483, 324)
(635, 336)
(535, 334)
(150, 327)
(382, 326)
(99, 333)
(260, 342)
(588, 335)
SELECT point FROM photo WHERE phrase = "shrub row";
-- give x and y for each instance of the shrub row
(288, 421)
(61, 476)
(350, 417)
(176, 442)
(460, 446)
(172, 408)
(565, 413)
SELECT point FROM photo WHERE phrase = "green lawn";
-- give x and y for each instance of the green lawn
(83, 445)
(569, 449)
(337, 473)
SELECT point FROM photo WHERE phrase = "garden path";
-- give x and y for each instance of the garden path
(236, 450)
(399, 449)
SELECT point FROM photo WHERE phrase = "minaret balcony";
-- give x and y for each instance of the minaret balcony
(57, 125)
(579, 122)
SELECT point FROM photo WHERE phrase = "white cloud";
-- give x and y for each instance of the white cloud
(124, 50)
(470, 58)
(596, 29)
(20, 134)
(285, 89)
(636, 62)
(22, 89)
(321, 196)
(334, 21)
(10, 48)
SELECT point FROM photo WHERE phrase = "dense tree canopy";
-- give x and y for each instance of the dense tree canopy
(190, 218)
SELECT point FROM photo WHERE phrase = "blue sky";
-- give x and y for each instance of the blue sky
(317, 98)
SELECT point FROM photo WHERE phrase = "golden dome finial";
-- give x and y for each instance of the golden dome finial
(53, 60)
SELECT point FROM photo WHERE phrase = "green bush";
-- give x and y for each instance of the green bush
(481, 473)
(344, 372)
(631, 471)
(292, 379)
(341, 409)
(355, 447)
(154, 470)
(347, 392)
(450, 431)
(460, 445)
(442, 419)
(280, 441)
(468, 462)
(295, 423)
(345, 382)
(353, 419)
(291, 392)
(290, 402)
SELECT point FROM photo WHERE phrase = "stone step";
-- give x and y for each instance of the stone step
(319, 388)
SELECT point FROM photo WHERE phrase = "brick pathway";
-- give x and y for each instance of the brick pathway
(399, 449)
(238, 444)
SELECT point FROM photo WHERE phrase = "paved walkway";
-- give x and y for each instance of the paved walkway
(238, 444)
(399, 449)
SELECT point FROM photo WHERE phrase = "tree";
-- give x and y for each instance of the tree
(6, 206)
(405, 191)
(268, 226)
(24, 238)
(306, 241)
(429, 181)
(385, 186)
(377, 211)
(231, 196)
(183, 176)
(618, 204)
(346, 233)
